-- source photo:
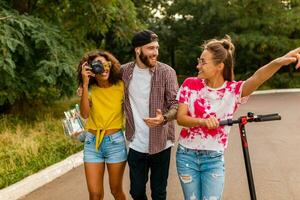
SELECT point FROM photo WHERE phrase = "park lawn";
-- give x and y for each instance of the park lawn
(27, 146)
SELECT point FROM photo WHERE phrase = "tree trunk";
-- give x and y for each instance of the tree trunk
(24, 6)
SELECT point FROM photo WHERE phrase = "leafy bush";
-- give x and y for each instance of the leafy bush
(282, 81)
(37, 61)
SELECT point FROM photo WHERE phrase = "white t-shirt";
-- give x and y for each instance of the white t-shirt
(204, 102)
(139, 95)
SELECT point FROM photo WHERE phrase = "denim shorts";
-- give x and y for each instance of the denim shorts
(201, 173)
(111, 150)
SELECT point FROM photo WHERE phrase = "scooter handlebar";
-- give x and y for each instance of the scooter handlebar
(269, 118)
(229, 122)
(255, 118)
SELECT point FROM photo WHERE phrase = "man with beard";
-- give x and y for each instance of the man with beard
(150, 107)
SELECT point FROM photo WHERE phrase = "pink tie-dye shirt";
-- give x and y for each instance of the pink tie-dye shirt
(204, 102)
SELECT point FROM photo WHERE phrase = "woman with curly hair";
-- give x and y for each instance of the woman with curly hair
(101, 104)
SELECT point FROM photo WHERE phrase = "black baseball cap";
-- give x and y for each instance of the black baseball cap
(143, 37)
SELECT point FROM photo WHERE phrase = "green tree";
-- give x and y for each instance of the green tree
(41, 42)
(260, 29)
(106, 24)
(36, 61)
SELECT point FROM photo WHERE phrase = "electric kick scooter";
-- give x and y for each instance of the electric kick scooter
(242, 121)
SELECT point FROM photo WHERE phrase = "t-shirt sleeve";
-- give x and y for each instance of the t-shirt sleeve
(183, 93)
(238, 93)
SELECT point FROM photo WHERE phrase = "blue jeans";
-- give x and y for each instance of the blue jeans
(201, 173)
(111, 150)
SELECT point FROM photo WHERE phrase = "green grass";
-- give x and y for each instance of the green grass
(27, 146)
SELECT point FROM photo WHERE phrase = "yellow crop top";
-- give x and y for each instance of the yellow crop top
(106, 110)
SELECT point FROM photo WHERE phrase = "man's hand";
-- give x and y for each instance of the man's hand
(155, 121)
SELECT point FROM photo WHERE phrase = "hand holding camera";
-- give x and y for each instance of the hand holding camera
(97, 67)
(86, 73)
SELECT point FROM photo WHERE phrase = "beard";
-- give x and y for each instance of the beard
(146, 60)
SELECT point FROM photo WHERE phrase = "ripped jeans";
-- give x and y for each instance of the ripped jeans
(201, 173)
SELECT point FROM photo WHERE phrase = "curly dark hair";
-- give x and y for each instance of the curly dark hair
(114, 76)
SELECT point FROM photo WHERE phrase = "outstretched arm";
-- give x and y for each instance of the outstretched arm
(267, 71)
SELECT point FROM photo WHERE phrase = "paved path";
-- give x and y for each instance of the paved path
(274, 150)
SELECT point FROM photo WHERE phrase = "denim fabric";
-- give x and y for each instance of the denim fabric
(111, 150)
(81, 136)
(201, 173)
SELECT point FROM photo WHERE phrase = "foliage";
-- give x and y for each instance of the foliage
(36, 61)
(283, 81)
(151, 11)
(261, 30)
(94, 24)
(42, 40)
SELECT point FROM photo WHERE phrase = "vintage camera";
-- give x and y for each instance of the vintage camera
(97, 67)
